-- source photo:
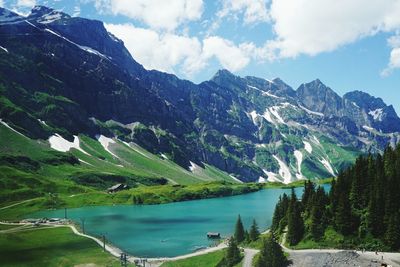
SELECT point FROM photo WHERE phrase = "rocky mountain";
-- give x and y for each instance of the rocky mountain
(61, 75)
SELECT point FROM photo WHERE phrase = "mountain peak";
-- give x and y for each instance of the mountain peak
(41, 10)
(45, 15)
(318, 82)
(223, 73)
(365, 100)
(318, 97)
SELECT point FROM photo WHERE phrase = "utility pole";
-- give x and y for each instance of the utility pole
(123, 260)
(104, 243)
(83, 224)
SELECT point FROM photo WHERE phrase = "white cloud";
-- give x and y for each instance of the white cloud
(253, 10)
(394, 61)
(228, 54)
(159, 51)
(168, 51)
(157, 14)
(307, 27)
(1, 3)
(77, 11)
(26, 3)
(314, 26)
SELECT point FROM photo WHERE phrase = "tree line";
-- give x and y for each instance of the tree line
(363, 206)
(271, 254)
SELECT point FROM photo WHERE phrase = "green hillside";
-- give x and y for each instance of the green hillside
(31, 169)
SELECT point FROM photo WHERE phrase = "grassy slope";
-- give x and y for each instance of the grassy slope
(51, 247)
(139, 195)
(53, 184)
(340, 157)
(209, 259)
(206, 260)
(136, 162)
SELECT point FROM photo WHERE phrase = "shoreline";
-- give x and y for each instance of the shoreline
(388, 257)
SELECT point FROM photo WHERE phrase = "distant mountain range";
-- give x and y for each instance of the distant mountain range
(63, 76)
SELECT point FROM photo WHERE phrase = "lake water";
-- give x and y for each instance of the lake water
(173, 229)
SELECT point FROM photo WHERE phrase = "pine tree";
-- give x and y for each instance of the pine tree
(363, 201)
(277, 216)
(343, 216)
(239, 230)
(279, 220)
(254, 232)
(232, 255)
(295, 221)
(271, 254)
(307, 195)
(246, 236)
(317, 227)
(392, 236)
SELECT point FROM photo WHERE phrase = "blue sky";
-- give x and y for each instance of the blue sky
(349, 45)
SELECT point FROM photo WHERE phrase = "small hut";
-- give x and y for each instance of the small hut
(117, 187)
(213, 235)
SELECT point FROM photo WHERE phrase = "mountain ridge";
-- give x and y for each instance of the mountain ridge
(79, 79)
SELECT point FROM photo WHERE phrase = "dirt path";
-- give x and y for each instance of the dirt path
(18, 203)
(249, 256)
(159, 261)
(339, 257)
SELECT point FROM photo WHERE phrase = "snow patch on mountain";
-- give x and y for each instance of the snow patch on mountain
(12, 129)
(272, 95)
(327, 166)
(265, 93)
(42, 122)
(254, 116)
(193, 166)
(377, 114)
(85, 48)
(3, 48)
(311, 112)
(284, 171)
(307, 146)
(316, 141)
(134, 147)
(33, 25)
(272, 177)
(368, 128)
(105, 142)
(275, 111)
(261, 179)
(268, 116)
(236, 179)
(299, 158)
(87, 163)
(49, 18)
(57, 142)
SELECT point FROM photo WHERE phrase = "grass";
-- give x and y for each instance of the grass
(139, 195)
(296, 183)
(331, 239)
(30, 168)
(7, 226)
(206, 260)
(51, 247)
(209, 259)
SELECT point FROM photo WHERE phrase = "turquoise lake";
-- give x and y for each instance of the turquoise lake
(173, 229)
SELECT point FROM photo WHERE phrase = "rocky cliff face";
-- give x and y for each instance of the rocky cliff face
(78, 78)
